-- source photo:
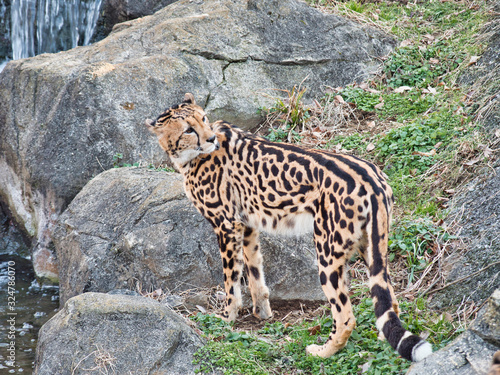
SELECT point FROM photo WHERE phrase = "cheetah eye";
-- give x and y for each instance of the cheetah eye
(205, 119)
(189, 130)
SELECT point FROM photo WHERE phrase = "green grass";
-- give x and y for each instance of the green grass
(414, 67)
(280, 349)
(119, 163)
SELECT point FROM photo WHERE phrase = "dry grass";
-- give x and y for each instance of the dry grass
(104, 363)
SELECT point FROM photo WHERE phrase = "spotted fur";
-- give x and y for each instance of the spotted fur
(495, 366)
(244, 184)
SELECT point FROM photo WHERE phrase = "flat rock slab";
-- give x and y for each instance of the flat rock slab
(116, 334)
(134, 227)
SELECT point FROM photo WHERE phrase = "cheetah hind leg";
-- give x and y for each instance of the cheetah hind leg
(336, 341)
(255, 271)
(332, 280)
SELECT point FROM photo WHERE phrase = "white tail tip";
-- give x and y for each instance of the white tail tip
(421, 351)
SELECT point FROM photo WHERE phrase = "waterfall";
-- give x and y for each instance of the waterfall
(39, 26)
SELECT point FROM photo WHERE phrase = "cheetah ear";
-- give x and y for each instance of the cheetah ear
(151, 125)
(189, 98)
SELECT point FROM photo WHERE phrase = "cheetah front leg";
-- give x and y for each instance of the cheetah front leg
(256, 281)
(230, 245)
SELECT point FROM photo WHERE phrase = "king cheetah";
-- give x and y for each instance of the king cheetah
(243, 184)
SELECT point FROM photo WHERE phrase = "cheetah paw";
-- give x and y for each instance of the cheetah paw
(263, 310)
(323, 351)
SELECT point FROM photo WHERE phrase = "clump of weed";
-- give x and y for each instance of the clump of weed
(118, 161)
(417, 242)
(419, 67)
(289, 113)
(406, 105)
(412, 148)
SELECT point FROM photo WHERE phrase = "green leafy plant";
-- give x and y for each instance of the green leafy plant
(416, 242)
(410, 148)
(414, 66)
(356, 142)
(406, 105)
(283, 135)
(118, 161)
(364, 100)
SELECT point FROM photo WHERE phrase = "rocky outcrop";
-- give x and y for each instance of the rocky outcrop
(472, 352)
(118, 11)
(474, 271)
(115, 334)
(132, 226)
(64, 116)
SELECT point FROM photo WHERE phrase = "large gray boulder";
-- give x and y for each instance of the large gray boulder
(135, 226)
(472, 352)
(64, 116)
(116, 334)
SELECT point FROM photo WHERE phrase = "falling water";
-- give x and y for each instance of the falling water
(40, 26)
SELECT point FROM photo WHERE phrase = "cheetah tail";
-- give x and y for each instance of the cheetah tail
(409, 346)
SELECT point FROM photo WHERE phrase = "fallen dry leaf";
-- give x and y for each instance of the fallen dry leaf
(402, 89)
(488, 152)
(314, 330)
(448, 317)
(339, 98)
(363, 85)
(430, 153)
(432, 90)
(370, 147)
(406, 43)
(379, 105)
(473, 60)
(472, 162)
(409, 297)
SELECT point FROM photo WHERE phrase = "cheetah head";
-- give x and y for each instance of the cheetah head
(184, 131)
